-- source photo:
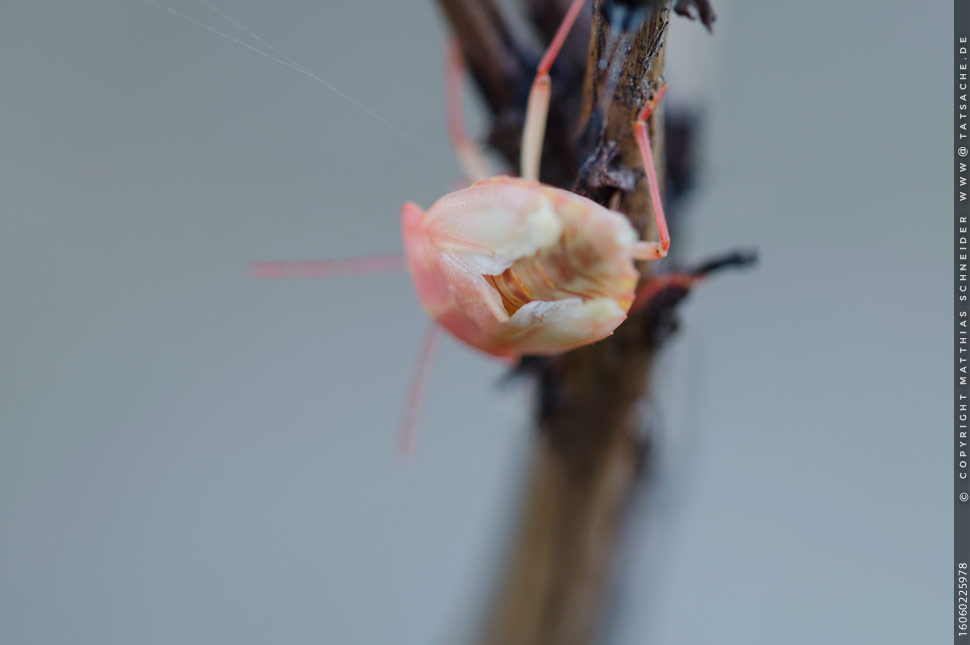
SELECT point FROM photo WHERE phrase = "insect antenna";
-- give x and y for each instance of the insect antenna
(310, 269)
(408, 433)
(374, 264)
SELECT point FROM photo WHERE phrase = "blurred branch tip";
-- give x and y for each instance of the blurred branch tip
(588, 460)
(694, 9)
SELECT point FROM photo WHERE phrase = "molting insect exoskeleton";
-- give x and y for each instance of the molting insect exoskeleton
(511, 266)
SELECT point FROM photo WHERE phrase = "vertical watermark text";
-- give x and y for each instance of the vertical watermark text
(961, 320)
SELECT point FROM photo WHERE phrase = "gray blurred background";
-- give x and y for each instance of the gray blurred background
(191, 456)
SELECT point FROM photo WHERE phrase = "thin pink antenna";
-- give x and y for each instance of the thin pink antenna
(408, 434)
(365, 265)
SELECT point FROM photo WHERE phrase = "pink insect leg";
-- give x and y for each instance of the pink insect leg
(469, 154)
(365, 265)
(408, 434)
(655, 285)
(687, 281)
(538, 107)
(651, 250)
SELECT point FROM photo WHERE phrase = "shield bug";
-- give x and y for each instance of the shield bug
(508, 265)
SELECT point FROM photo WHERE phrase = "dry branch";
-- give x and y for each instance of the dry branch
(592, 443)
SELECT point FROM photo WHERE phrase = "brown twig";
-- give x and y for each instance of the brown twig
(592, 443)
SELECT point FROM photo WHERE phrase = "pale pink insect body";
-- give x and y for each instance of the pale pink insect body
(512, 266)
